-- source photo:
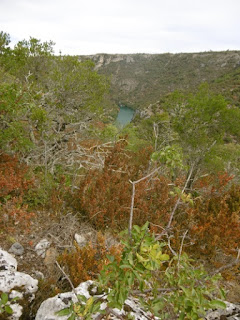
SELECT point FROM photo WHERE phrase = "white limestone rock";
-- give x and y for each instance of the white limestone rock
(15, 294)
(41, 247)
(49, 307)
(80, 239)
(17, 311)
(231, 312)
(11, 279)
(7, 261)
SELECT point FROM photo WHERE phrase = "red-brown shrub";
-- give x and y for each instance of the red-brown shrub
(104, 196)
(13, 181)
(85, 263)
(13, 185)
(214, 221)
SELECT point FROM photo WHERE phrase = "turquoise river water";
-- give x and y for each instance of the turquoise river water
(125, 115)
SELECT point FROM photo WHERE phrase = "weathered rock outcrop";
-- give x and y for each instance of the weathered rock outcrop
(232, 312)
(41, 247)
(49, 307)
(10, 279)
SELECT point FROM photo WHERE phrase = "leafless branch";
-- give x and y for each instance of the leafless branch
(181, 247)
(67, 277)
(133, 197)
(169, 245)
(176, 205)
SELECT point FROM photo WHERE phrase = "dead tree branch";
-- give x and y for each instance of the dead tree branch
(176, 206)
(133, 197)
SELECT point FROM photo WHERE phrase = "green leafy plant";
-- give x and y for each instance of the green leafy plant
(141, 255)
(83, 308)
(5, 303)
(185, 197)
(186, 291)
(166, 287)
(192, 291)
(170, 155)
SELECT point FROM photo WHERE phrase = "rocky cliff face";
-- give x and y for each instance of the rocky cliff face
(102, 60)
(140, 79)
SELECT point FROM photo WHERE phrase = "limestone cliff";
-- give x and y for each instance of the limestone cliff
(140, 79)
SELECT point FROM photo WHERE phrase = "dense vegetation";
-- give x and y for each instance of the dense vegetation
(138, 80)
(177, 167)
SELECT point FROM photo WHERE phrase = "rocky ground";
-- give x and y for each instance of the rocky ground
(27, 262)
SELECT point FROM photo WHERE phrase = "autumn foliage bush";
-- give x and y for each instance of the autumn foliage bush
(214, 221)
(14, 184)
(85, 263)
(13, 180)
(104, 196)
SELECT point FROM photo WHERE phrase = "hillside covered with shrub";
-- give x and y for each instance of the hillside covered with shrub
(156, 203)
(138, 80)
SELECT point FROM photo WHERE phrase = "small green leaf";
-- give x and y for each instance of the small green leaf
(4, 298)
(130, 279)
(218, 304)
(155, 156)
(223, 294)
(8, 309)
(130, 258)
(81, 298)
(121, 298)
(164, 257)
(15, 299)
(158, 305)
(63, 312)
(72, 317)
(137, 275)
(125, 266)
(137, 228)
(140, 258)
(96, 307)
(89, 304)
(145, 226)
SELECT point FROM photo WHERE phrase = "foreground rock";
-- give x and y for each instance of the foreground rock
(7, 261)
(17, 249)
(10, 279)
(41, 247)
(232, 312)
(49, 307)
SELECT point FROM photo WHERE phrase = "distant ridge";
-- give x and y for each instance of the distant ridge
(140, 79)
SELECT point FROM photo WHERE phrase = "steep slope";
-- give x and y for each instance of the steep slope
(229, 86)
(140, 79)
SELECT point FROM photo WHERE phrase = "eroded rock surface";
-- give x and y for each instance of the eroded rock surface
(232, 312)
(49, 307)
(10, 278)
(41, 247)
(7, 261)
